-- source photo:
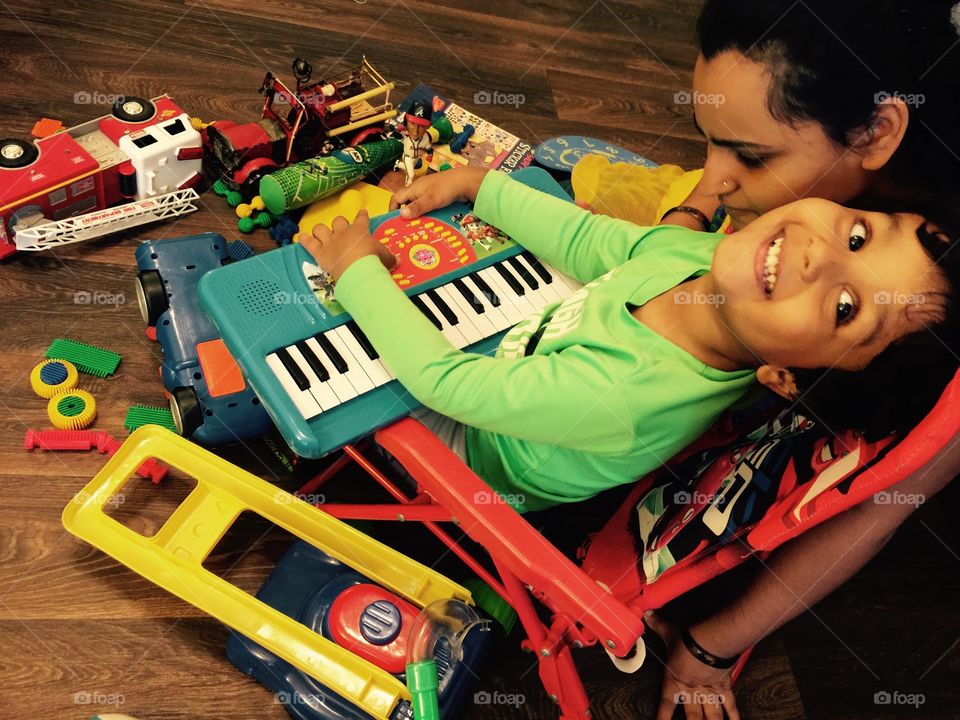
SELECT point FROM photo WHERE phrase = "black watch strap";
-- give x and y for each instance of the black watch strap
(707, 658)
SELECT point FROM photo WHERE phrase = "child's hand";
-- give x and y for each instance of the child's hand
(438, 190)
(336, 248)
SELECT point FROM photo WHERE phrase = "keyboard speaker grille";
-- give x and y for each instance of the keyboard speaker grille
(261, 297)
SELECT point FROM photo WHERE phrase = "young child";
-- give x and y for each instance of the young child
(671, 329)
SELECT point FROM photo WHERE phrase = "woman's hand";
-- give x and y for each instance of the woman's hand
(336, 248)
(704, 692)
(438, 190)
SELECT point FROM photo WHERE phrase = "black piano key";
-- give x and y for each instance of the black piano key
(468, 295)
(362, 340)
(485, 289)
(426, 311)
(537, 266)
(508, 278)
(296, 374)
(524, 274)
(443, 307)
(336, 358)
(313, 361)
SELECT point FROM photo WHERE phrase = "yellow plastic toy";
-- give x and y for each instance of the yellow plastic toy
(173, 558)
(52, 377)
(348, 203)
(72, 410)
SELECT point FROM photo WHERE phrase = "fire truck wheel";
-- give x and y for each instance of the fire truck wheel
(187, 415)
(151, 296)
(17, 153)
(133, 109)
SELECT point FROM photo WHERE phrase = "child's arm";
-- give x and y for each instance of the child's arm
(582, 245)
(564, 398)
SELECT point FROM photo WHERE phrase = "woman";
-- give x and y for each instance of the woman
(849, 101)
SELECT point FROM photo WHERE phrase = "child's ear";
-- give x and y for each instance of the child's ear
(878, 142)
(778, 379)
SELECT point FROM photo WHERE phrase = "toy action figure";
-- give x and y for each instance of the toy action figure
(416, 142)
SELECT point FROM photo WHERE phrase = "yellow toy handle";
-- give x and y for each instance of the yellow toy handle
(173, 558)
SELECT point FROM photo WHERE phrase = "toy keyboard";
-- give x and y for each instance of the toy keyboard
(318, 376)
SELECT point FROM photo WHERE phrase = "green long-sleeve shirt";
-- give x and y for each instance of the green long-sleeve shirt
(602, 399)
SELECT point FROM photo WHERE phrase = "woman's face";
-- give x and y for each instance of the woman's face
(754, 162)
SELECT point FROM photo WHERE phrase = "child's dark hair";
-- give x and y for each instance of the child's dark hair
(903, 383)
(832, 61)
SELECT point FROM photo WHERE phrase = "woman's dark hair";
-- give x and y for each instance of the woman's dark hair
(903, 383)
(833, 61)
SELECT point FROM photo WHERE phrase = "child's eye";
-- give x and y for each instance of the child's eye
(846, 308)
(858, 236)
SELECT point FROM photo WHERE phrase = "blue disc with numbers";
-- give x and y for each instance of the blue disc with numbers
(560, 154)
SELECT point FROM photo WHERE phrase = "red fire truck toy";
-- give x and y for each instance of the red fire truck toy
(144, 151)
(296, 125)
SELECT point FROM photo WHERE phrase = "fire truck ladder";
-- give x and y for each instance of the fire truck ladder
(103, 222)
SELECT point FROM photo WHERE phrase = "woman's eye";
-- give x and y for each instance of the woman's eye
(846, 308)
(858, 236)
(750, 161)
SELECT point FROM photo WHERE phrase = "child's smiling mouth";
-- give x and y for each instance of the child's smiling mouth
(768, 263)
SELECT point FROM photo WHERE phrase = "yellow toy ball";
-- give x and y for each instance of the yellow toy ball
(52, 377)
(72, 410)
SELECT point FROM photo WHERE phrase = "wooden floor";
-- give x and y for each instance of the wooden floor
(80, 634)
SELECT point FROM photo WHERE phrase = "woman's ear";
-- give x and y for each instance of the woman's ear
(883, 137)
(779, 380)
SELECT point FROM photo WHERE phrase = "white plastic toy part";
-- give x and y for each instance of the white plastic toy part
(154, 153)
(103, 222)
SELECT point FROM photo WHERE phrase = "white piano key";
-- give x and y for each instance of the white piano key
(466, 325)
(571, 284)
(450, 332)
(536, 297)
(508, 299)
(321, 391)
(355, 374)
(496, 315)
(337, 383)
(527, 305)
(373, 368)
(306, 404)
(465, 310)
(548, 290)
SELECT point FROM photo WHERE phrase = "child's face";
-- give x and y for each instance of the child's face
(814, 284)
(756, 163)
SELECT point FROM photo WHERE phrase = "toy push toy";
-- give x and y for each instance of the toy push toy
(209, 398)
(173, 558)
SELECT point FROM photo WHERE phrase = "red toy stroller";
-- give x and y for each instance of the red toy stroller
(722, 502)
